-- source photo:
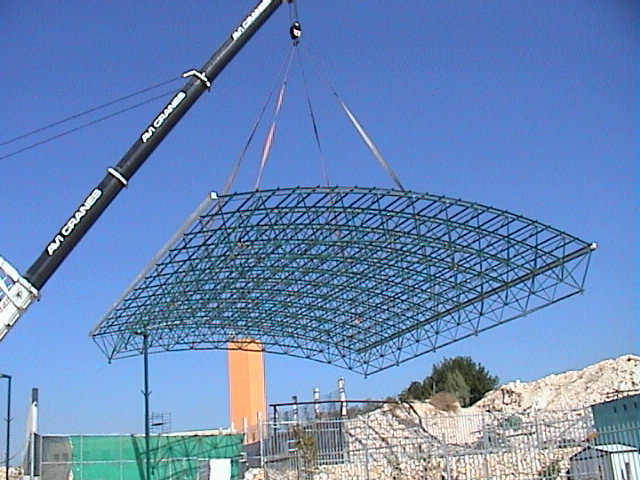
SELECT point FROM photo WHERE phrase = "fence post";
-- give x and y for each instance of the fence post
(262, 429)
(446, 460)
(487, 444)
(366, 447)
(343, 397)
(316, 399)
(294, 399)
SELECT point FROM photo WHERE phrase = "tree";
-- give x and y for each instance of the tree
(460, 376)
(415, 391)
(477, 377)
(455, 384)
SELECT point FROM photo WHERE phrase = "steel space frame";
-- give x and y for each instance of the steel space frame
(362, 278)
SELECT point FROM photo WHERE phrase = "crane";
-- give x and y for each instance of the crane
(18, 292)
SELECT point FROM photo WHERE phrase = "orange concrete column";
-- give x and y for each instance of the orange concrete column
(247, 395)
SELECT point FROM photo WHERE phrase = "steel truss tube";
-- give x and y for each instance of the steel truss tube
(507, 285)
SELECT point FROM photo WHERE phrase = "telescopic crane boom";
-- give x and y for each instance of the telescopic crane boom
(18, 292)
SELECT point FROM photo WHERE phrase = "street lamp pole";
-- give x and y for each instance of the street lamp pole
(146, 405)
(8, 451)
(146, 393)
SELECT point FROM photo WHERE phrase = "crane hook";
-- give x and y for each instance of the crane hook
(295, 32)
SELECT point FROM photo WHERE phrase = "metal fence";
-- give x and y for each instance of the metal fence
(396, 442)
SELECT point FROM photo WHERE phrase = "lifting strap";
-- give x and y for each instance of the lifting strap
(295, 33)
(313, 122)
(268, 142)
(362, 132)
(234, 172)
(372, 146)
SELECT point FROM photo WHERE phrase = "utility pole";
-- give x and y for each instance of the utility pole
(8, 450)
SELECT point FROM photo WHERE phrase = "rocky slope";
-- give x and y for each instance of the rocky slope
(569, 390)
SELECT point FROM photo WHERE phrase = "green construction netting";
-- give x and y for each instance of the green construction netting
(363, 278)
(123, 457)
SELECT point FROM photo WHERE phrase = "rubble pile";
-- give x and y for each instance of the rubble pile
(566, 391)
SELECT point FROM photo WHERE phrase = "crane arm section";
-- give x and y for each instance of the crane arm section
(17, 292)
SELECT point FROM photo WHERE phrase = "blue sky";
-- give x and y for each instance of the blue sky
(527, 106)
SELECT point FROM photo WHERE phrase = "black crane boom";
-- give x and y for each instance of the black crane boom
(117, 177)
(18, 292)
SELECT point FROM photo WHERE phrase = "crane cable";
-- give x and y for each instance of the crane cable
(295, 33)
(293, 11)
(84, 113)
(360, 129)
(314, 124)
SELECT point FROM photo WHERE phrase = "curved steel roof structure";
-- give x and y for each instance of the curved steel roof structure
(363, 278)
